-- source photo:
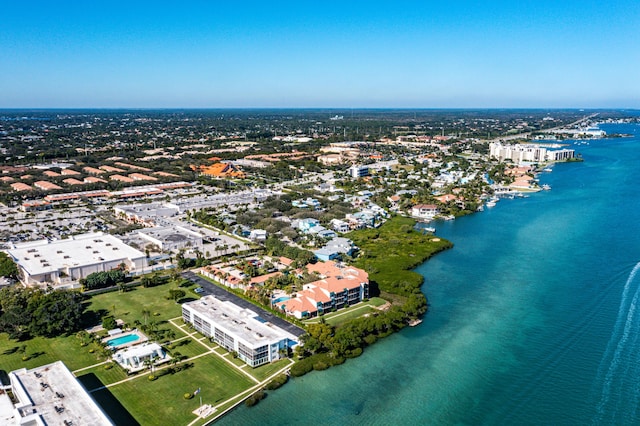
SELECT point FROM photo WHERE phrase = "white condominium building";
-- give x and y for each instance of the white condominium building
(527, 153)
(238, 329)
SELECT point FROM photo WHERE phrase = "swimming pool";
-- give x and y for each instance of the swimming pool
(123, 340)
(280, 299)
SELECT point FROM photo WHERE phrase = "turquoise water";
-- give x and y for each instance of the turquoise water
(122, 340)
(533, 318)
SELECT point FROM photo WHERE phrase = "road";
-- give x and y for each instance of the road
(527, 134)
(221, 294)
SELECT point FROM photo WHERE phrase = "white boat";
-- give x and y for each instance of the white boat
(547, 170)
(546, 187)
(414, 322)
(491, 203)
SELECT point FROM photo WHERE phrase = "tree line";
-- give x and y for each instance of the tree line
(26, 312)
(326, 345)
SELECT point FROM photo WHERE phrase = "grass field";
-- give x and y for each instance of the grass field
(162, 401)
(134, 399)
(345, 315)
(129, 306)
(42, 351)
(348, 314)
(264, 371)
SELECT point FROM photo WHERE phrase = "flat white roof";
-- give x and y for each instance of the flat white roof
(242, 323)
(41, 257)
(139, 351)
(170, 233)
(150, 209)
(57, 396)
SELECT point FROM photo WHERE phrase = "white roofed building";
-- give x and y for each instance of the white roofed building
(49, 395)
(238, 329)
(172, 238)
(64, 262)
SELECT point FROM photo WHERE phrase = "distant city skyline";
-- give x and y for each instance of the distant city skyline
(408, 54)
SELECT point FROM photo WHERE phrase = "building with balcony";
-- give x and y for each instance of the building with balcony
(238, 330)
(339, 286)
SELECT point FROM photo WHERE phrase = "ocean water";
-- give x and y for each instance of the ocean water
(534, 317)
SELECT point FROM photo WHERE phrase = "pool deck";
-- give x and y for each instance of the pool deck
(141, 339)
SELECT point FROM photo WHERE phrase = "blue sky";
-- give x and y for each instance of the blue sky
(415, 54)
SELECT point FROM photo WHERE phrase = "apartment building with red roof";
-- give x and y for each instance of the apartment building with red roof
(93, 171)
(121, 178)
(140, 176)
(19, 186)
(133, 167)
(72, 181)
(339, 286)
(111, 169)
(92, 179)
(69, 172)
(221, 170)
(46, 186)
(165, 174)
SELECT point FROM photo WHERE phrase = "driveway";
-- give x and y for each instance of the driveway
(221, 294)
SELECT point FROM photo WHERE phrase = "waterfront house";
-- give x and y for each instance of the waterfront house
(424, 211)
(340, 225)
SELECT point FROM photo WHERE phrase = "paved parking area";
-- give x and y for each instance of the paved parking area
(219, 293)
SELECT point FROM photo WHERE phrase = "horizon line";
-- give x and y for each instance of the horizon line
(2, 108)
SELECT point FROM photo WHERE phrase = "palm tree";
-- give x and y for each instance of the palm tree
(148, 362)
(146, 313)
(174, 361)
(104, 353)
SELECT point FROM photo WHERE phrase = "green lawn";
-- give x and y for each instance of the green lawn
(129, 305)
(267, 370)
(237, 361)
(220, 350)
(376, 301)
(349, 314)
(111, 375)
(187, 347)
(343, 315)
(162, 402)
(45, 351)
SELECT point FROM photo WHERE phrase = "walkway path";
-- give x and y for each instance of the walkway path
(195, 337)
(242, 396)
(239, 398)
